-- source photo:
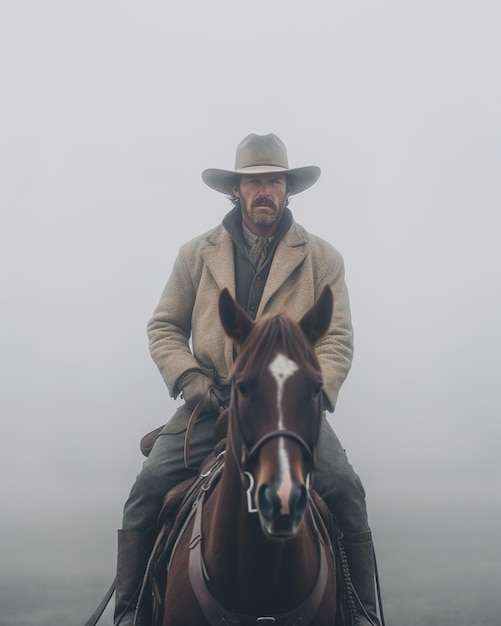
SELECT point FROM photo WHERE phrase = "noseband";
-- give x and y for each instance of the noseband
(248, 455)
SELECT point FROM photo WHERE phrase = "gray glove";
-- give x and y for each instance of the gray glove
(197, 387)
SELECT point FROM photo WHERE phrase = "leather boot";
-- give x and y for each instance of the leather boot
(134, 549)
(359, 552)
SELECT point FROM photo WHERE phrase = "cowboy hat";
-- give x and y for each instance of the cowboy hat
(261, 154)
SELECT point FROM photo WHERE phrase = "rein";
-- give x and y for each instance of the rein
(96, 616)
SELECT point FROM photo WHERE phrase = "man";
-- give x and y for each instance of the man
(269, 263)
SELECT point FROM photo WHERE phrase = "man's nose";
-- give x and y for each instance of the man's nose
(264, 189)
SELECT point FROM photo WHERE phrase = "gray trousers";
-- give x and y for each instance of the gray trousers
(334, 477)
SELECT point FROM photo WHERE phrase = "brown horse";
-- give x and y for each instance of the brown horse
(256, 551)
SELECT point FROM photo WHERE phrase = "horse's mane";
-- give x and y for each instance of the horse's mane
(270, 334)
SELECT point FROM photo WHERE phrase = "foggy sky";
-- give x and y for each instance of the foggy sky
(109, 113)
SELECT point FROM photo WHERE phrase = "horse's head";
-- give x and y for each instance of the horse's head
(276, 407)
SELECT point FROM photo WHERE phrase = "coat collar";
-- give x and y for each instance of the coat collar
(290, 253)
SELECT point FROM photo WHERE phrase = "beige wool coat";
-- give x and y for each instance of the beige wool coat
(188, 308)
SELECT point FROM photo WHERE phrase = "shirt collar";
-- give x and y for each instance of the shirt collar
(250, 238)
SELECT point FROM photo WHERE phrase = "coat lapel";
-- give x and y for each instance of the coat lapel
(290, 253)
(218, 256)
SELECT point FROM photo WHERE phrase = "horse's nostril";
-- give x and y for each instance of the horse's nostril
(268, 500)
(298, 499)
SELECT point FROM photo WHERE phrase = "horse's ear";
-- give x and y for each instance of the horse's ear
(236, 323)
(316, 321)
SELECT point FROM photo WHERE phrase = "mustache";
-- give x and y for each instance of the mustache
(263, 201)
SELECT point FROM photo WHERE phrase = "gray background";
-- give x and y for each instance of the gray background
(109, 111)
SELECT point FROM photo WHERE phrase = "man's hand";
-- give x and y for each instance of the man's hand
(197, 387)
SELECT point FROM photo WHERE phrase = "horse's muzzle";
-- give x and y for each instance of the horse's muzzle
(281, 519)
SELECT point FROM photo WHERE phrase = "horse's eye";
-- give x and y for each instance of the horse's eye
(317, 389)
(243, 390)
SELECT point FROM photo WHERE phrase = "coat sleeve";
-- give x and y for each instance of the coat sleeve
(169, 329)
(335, 349)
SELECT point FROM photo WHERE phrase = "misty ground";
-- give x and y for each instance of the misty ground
(437, 570)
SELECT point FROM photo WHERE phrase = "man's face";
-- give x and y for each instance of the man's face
(262, 199)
